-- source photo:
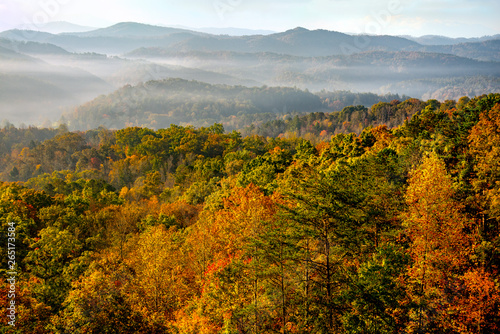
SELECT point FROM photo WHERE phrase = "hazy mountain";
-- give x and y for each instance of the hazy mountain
(297, 42)
(131, 29)
(128, 36)
(31, 89)
(59, 70)
(443, 40)
(59, 27)
(116, 39)
(366, 71)
(488, 50)
(140, 71)
(158, 104)
(120, 71)
(35, 48)
(8, 56)
(27, 35)
(233, 31)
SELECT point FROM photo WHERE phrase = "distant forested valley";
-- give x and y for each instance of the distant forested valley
(157, 104)
(44, 75)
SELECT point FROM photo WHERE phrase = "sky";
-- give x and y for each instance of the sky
(453, 18)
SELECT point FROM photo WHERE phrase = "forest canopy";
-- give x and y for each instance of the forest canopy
(380, 219)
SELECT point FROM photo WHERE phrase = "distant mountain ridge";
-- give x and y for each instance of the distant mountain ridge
(131, 29)
(58, 27)
(125, 37)
(443, 40)
(233, 31)
(488, 50)
(296, 42)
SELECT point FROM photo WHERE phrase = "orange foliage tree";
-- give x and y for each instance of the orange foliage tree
(230, 292)
(439, 246)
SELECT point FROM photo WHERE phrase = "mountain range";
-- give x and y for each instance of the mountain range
(128, 36)
(443, 40)
(57, 27)
(81, 64)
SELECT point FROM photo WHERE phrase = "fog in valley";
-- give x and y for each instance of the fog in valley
(45, 75)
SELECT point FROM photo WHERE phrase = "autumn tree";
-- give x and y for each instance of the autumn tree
(99, 302)
(439, 245)
(56, 260)
(484, 141)
(229, 265)
(162, 278)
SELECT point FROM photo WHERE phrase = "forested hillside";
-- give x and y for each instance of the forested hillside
(157, 104)
(391, 229)
(175, 101)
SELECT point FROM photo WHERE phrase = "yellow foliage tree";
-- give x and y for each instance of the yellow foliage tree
(439, 246)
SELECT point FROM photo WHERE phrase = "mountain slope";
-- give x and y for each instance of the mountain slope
(297, 42)
(158, 104)
(130, 29)
(58, 27)
(119, 40)
(26, 35)
(34, 48)
(9, 55)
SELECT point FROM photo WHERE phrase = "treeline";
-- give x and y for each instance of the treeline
(351, 119)
(338, 100)
(195, 230)
(14, 139)
(28, 153)
(448, 88)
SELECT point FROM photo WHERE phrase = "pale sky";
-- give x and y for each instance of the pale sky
(453, 18)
